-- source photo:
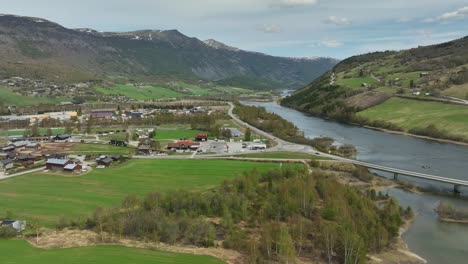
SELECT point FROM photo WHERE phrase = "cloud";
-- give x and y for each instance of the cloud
(270, 28)
(330, 43)
(340, 21)
(293, 3)
(460, 13)
(404, 20)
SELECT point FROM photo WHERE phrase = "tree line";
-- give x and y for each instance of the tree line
(276, 216)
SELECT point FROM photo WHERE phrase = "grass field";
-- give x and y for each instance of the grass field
(176, 134)
(20, 252)
(355, 82)
(20, 132)
(95, 149)
(410, 114)
(281, 155)
(48, 197)
(144, 93)
(8, 97)
(458, 91)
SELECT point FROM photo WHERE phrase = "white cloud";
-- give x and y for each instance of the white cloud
(330, 43)
(460, 13)
(294, 3)
(270, 28)
(341, 21)
(404, 20)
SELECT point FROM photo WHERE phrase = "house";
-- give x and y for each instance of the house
(20, 144)
(27, 159)
(134, 115)
(145, 149)
(6, 164)
(8, 149)
(201, 137)
(33, 146)
(102, 114)
(57, 156)
(18, 225)
(57, 164)
(236, 132)
(62, 137)
(73, 168)
(115, 157)
(183, 145)
(104, 161)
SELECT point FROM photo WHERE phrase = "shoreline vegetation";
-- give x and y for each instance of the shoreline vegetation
(424, 133)
(452, 214)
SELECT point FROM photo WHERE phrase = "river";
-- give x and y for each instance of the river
(435, 241)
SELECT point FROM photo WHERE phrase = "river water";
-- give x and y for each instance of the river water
(435, 241)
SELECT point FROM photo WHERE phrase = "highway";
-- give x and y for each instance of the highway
(288, 146)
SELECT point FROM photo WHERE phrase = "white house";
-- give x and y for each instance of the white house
(18, 225)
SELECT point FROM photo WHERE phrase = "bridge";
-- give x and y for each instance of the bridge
(282, 144)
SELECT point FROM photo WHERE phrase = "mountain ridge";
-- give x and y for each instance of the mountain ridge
(38, 48)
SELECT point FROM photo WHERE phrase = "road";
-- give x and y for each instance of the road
(3, 176)
(288, 146)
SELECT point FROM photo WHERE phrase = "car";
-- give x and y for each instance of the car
(317, 153)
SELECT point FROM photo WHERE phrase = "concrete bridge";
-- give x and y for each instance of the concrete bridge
(284, 145)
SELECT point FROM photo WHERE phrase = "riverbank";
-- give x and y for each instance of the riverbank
(386, 130)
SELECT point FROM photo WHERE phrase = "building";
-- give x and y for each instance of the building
(20, 144)
(62, 137)
(33, 146)
(183, 145)
(18, 225)
(201, 137)
(145, 149)
(8, 149)
(73, 168)
(57, 156)
(57, 164)
(27, 159)
(102, 114)
(104, 161)
(6, 164)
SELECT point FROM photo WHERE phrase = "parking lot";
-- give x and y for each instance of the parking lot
(222, 147)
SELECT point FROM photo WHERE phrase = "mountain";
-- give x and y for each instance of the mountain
(413, 90)
(37, 48)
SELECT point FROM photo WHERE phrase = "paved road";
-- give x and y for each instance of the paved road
(284, 145)
(3, 176)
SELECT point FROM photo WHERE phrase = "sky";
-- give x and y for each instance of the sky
(292, 28)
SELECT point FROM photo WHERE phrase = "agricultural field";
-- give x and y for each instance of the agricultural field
(176, 134)
(281, 155)
(20, 132)
(409, 114)
(136, 93)
(458, 91)
(8, 97)
(98, 149)
(355, 82)
(46, 197)
(20, 252)
(208, 89)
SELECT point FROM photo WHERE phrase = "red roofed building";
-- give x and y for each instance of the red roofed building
(201, 137)
(183, 144)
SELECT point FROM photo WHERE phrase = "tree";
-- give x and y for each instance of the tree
(411, 84)
(35, 129)
(287, 253)
(248, 134)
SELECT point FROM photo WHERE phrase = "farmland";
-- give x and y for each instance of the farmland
(48, 197)
(281, 155)
(20, 252)
(20, 132)
(409, 114)
(176, 134)
(355, 82)
(8, 97)
(143, 93)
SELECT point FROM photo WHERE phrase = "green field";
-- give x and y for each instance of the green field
(99, 148)
(355, 82)
(281, 155)
(409, 114)
(8, 97)
(48, 197)
(20, 252)
(458, 91)
(20, 132)
(176, 134)
(143, 93)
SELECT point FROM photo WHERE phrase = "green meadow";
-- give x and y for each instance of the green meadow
(99, 149)
(281, 155)
(47, 197)
(8, 97)
(20, 252)
(139, 93)
(176, 134)
(355, 82)
(409, 114)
